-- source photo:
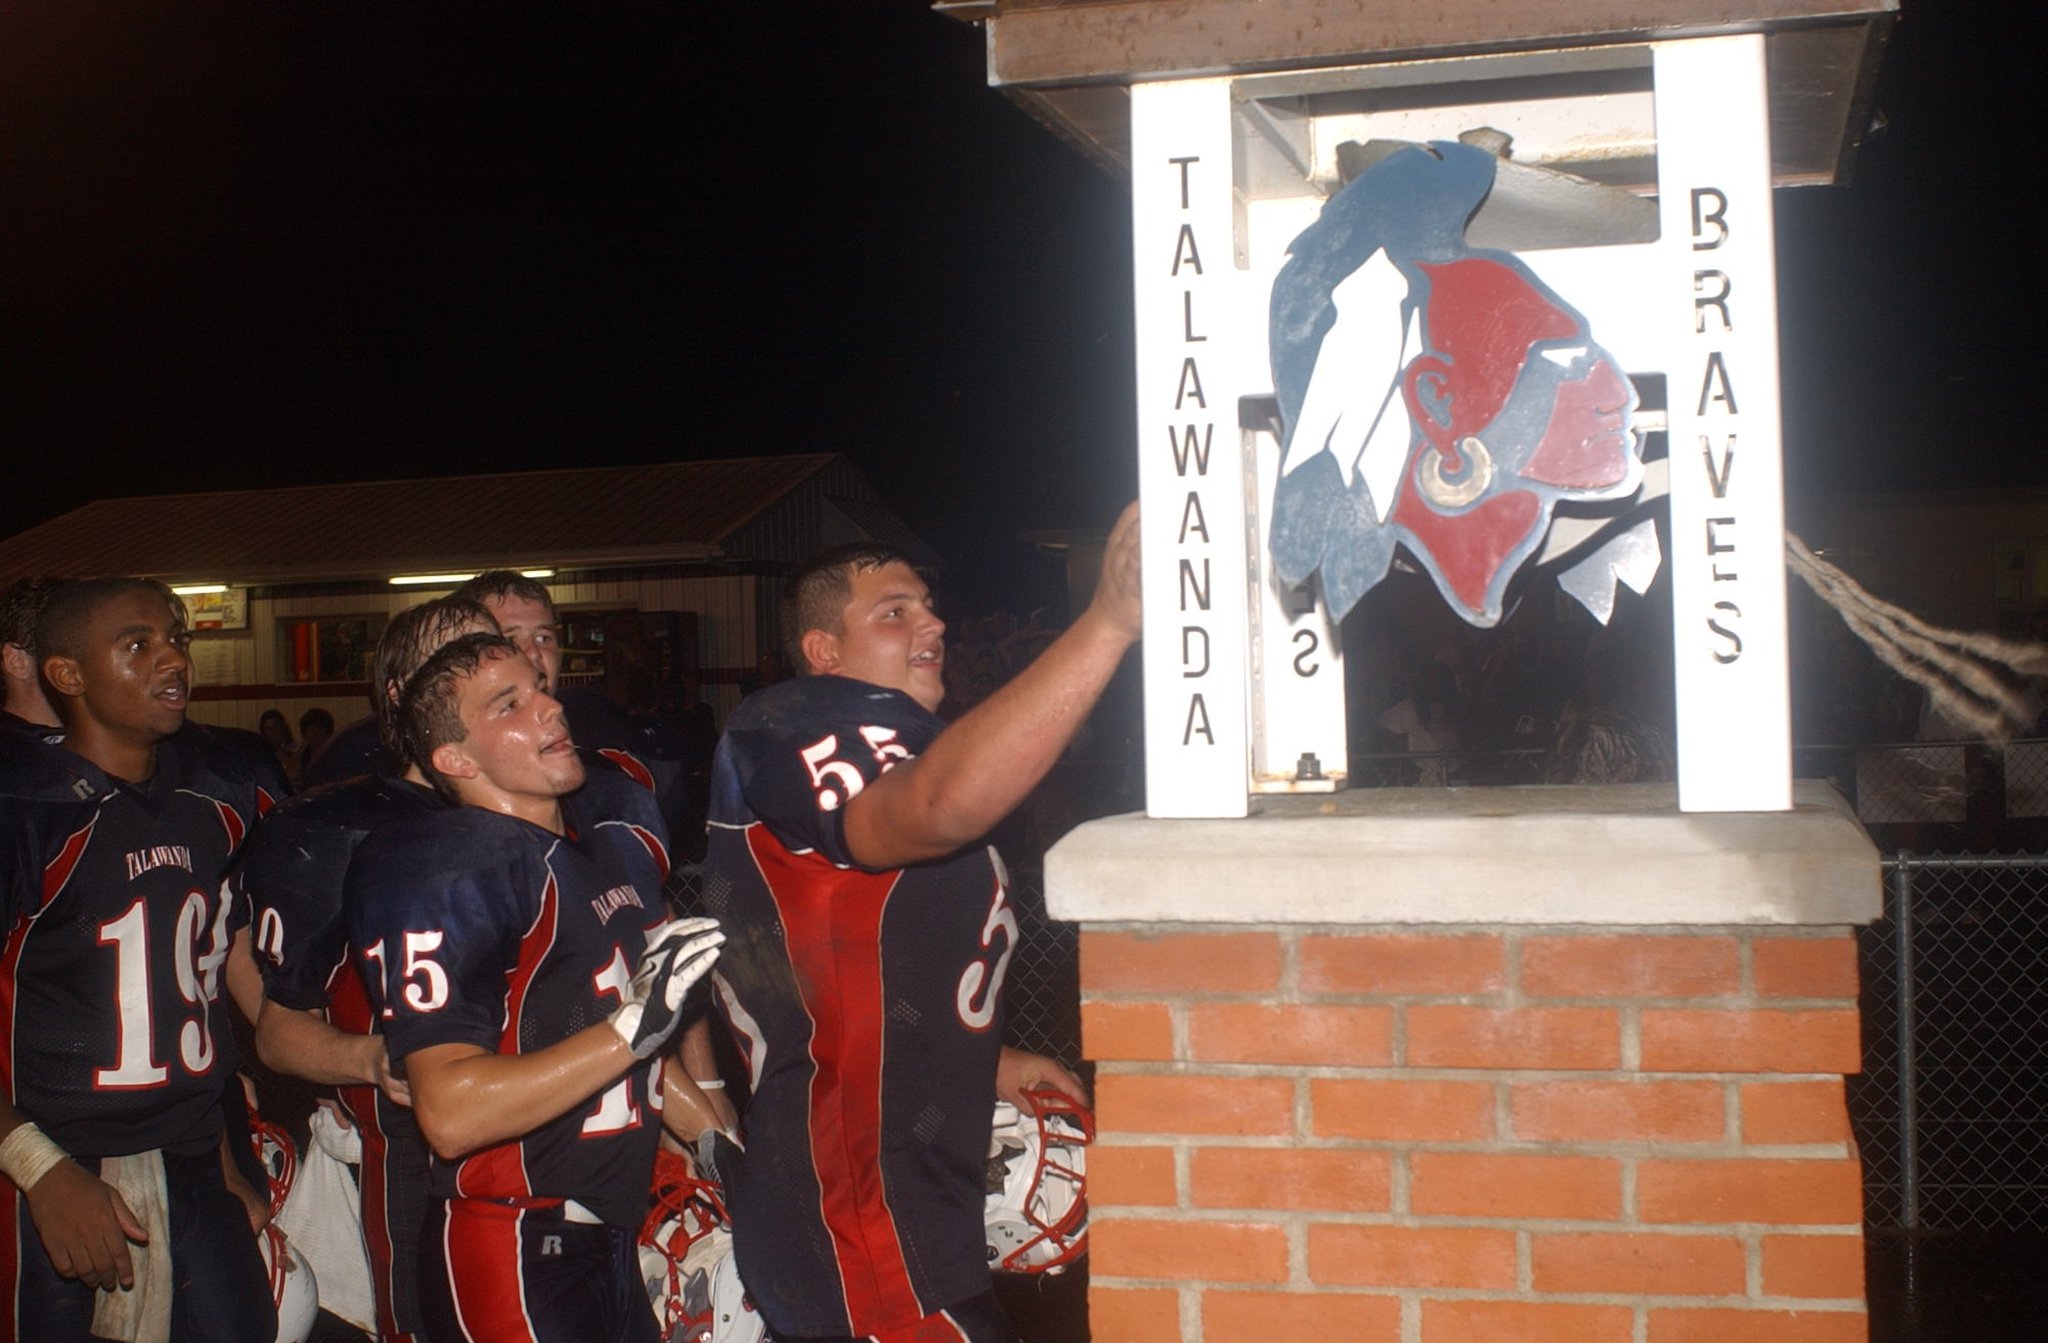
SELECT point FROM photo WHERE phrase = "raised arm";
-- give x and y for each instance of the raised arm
(982, 767)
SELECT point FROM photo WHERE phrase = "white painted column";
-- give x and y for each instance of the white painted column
(1297, 663)
(1191, 455)
(1727, 482)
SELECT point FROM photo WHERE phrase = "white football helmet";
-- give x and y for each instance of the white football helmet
(279, 1157)
(1036, 1210)
(686, 1260)
(292, 1287)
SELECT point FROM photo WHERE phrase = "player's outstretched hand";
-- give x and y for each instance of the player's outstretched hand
(86, 1226)
(392, 1084)
(1019, 1073)
(679, 953)
(1117, 595)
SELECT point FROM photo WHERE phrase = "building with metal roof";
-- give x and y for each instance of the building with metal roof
(659, 572)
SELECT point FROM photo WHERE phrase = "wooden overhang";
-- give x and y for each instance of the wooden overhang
(1071, 62)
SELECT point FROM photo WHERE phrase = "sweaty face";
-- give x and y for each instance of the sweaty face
(891, 636)
(135, 674)
(516, 736)
(531, 628)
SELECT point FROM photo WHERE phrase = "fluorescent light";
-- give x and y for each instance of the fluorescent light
(430, 580)
(454, 580)
(198, 589)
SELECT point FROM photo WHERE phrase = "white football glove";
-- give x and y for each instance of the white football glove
(679, 953)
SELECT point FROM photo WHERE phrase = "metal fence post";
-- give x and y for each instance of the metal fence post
(1909, 1131)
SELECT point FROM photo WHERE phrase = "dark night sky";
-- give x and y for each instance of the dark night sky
(253, 245)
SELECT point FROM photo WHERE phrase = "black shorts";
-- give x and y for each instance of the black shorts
(393, 1185)
(523, 1273)
(976, 1320)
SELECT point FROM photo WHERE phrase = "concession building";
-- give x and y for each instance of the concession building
(659, 572)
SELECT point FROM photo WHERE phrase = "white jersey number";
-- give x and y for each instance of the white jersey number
(981, 988)
(426, 983)
(615, 1111)
(837, 782)
(196, 972)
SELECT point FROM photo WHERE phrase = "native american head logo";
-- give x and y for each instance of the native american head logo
(1435, 396)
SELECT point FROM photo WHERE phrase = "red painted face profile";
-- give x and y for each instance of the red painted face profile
(1514, 407)
(1437, 399)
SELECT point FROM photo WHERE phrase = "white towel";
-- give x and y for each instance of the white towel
(142, 1313)
(323, 1215)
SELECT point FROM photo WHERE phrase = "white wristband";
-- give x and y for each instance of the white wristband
(709, 1083)
(26, 1156)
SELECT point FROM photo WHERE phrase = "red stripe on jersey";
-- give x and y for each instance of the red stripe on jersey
(60, 868)
(500, 1171)
(834, 935)
(348, 1000)
(373, 1185)
(655, 848)
(629, 764)
(10, 965)
(56, 875)
(230, 821)
(10, 1260)
(481, 1244)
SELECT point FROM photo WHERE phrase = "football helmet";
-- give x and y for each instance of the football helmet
(1036, 1209)
(686, 1261)
(279, 1157)
(292, 1287)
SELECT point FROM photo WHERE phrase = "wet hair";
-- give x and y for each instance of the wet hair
(407, 642)
(430, 708)
(815, 596)
(501, 583)
(21, 604)
(70, 607)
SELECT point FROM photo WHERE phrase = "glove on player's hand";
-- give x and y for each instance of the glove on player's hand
(679, 953)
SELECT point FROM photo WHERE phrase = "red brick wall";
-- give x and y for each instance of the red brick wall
(1590, 1136)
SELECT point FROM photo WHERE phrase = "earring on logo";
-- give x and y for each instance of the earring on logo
(1447, 493)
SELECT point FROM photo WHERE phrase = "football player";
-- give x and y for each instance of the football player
(524, 971)
(315, 1022)
(871, 932)
(26, 706)
(641, 750)
(116, 1180)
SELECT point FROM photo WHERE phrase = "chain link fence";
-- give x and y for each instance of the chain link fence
(1941, 797)
(1951, 1110)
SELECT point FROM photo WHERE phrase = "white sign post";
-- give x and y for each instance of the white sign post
(1727, 447)
(1191, 467)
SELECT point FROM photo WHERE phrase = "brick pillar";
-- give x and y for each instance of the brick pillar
(1380, 1135)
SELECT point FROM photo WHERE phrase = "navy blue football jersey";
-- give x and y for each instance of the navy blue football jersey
(867, 1005)
(350, 753)
(292, 873)
(472, 927)
(113, 1024)
(640, 748)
